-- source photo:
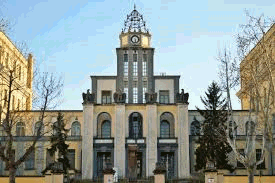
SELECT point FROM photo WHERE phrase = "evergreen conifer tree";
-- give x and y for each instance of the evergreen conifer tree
(58, 144)
(213, 145)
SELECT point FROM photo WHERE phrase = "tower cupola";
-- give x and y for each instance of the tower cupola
(135, 33)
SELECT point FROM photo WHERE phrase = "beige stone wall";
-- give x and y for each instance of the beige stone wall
(12, 59)
(105, 84)
(165, 84)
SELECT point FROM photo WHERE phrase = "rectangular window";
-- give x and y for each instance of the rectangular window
(144, 90)
(13, 156)
(125, 61)
(144, 65)
(164, 96)
(135, 95)
(239, 164)
(49, 158)
(258, 157)
(7, 60)
(106, 97)
(125, 90)
(135, 65)
(71, 157)
(29, 163)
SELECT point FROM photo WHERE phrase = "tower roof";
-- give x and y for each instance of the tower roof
(135, 22)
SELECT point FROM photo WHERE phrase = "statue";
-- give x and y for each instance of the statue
(151, 97)
(88, 97)
(182, 97)
(119, 97)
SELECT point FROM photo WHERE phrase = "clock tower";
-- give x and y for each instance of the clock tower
(135, 59)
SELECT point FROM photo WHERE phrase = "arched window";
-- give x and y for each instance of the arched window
(164, 129)
(106, 129)
(104, 123)
(232, 128)
(167, 124)
(55, 128)
(249, 128)
(76, 129)
(20, 129)
(135, 125)
(38, 127)
(195, 127)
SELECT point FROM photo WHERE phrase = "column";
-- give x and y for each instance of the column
(87, 141)
(183, 141)
(151, 139)
(119, 138)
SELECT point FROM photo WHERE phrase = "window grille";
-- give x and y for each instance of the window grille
(239, 164)
(125, 64)
(195, 128)
(258, 157)
(106, 129)
(143, 95)
(135, 95)
(49, 158)
(103, 158)
(29, 163)
(20, 129)
(164, 96)
(76, 129)
(144, 65)
(249, 128)
(126, 92)
(106, 97)
(164, 129)
(135, 126)
(71, 158)
(167, 158)
(135, 65)
(36, 128)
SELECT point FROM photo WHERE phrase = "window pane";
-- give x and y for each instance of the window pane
(29, 163)
(125, 61)
(106, 97)
(49, 158)
(106, 129)
(71, 157)
(258, 157)
(164, 96)
(239, 164)
(76, 129)
(164, 129)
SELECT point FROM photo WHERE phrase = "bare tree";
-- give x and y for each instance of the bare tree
(257, 87)
(48, 88)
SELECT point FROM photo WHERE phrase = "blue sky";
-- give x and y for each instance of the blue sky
(77, 39)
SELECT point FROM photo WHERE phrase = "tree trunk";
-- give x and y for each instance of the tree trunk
(12, 171)
(251, 172)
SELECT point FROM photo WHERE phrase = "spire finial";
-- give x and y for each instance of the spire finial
(135, 6)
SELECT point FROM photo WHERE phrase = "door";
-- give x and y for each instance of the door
(167, 158)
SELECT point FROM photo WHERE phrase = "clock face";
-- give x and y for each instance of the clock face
(135, 39)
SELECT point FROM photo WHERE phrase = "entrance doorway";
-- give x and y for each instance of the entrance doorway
(167, 158)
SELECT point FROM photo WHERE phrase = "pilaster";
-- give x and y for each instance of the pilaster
(151, 139)
(183, 141)
(87, 141)
(119, 139)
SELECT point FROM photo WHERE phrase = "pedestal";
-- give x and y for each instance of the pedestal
(159, 173)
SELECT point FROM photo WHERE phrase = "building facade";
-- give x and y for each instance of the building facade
(132, 120)
(14, 66)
